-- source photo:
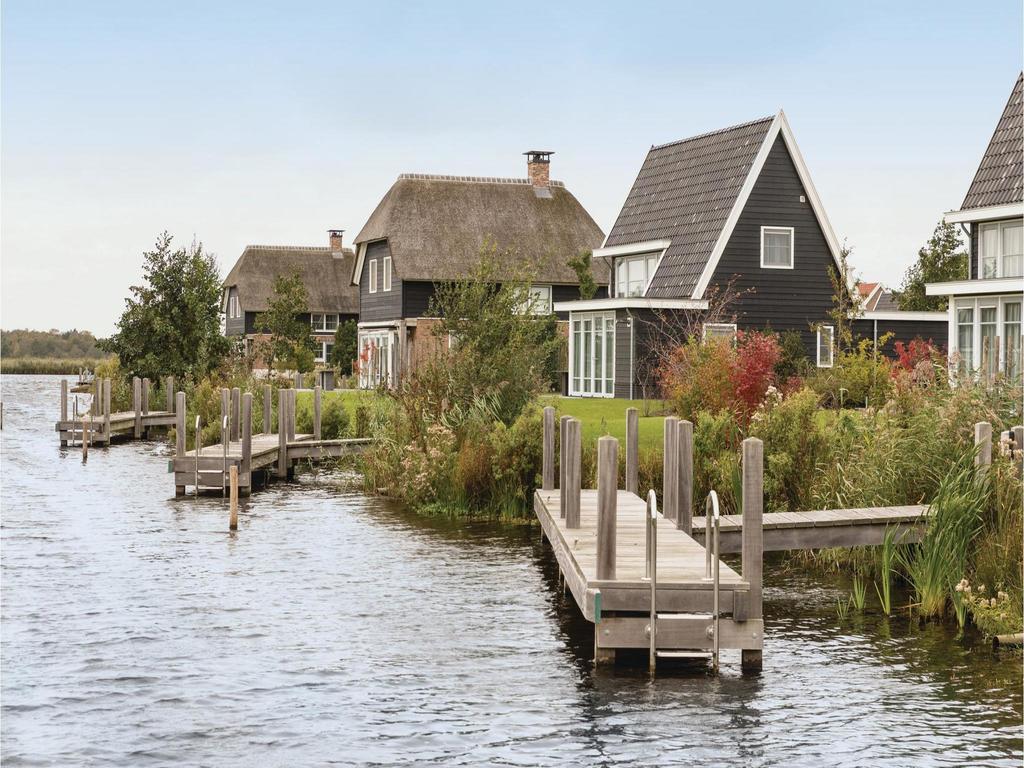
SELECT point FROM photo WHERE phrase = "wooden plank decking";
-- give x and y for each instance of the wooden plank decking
(122, 424)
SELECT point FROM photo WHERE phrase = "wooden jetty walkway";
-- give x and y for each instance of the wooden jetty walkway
(654, 580)
(101, 427)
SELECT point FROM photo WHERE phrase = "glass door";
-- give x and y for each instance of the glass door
(592, 354)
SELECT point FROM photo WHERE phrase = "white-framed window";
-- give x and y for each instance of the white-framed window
(826, 345)
(988, 325)
(1001, 249)
(633, 274)
(985, 334)
(233, 308)
(323, 351)
(376, 357)
(723, 331)
(592, 354)
(372, 266)
(1012, 334)
(387, 273)
(777, 247)
(965, 338)
(323, 322)
(538, 300)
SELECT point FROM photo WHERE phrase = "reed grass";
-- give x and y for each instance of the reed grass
(46, 365)
(888, 555)
(860, 592)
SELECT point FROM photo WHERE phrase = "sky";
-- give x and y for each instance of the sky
(271, 122)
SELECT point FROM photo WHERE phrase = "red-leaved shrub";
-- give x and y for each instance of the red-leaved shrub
(754, 368)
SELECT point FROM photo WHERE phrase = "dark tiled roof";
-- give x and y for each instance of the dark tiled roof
(436, 226)
(1001, 174)
(684, 193)
(885, 302)
(325, 274)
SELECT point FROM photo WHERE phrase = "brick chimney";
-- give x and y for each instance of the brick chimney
(538, 164)
(335, 235)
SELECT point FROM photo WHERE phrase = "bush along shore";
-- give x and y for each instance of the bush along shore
(47, 365)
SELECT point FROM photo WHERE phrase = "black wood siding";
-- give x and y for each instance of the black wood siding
(782, 299)
(416, 296)
(233, 326)
(936, 331)
(382, 305)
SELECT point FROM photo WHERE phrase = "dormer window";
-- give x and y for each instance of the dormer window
(777, 247)
(1001, 249)
(633, 274)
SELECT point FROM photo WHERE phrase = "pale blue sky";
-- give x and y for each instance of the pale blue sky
(267, 122)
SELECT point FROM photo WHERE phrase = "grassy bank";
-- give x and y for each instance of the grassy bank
(46, 365)
(607, 416)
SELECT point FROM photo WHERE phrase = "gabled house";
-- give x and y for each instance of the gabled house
(431, 229)
(325, 272)
(984, 316)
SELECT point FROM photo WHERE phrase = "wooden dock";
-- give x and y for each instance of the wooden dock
(103, 426)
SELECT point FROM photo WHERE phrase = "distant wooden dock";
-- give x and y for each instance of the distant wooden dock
(103, 426)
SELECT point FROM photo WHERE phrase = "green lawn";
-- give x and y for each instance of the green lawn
(607, 416)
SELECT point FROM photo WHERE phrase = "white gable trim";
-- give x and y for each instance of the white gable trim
(779, 125)
(988, 213)
(357, 271)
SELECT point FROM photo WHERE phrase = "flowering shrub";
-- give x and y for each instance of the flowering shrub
(909, 356)
(994, 614)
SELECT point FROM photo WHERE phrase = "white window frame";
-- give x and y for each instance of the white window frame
(372, 266)
(233, 310)
(387, 273)
(792, 247)
(606, 383)
(998, 226)
(731, 327)
(831, 346)
(976, 305)
(382, 371)
(619, 261)
(539, 304)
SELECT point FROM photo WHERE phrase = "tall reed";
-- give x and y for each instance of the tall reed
(887, 559)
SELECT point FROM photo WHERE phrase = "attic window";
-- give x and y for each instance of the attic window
(777, 247)
(371, 265)
(387, 273)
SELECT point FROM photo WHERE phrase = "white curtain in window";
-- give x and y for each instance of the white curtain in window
(1013, 250)
(778, 248)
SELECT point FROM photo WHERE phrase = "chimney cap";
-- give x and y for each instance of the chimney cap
(539, 155)
(335, 231)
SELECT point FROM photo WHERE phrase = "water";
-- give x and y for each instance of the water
(339, 629)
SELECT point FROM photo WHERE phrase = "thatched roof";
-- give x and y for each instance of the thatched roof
(436, 226)
(324, 273)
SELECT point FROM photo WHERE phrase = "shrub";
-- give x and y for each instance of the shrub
(793, 362)
(753, 370)
(334, 419)
(859, 377)
(697, 377)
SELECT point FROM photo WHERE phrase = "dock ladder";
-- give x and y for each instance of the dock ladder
(711, 512)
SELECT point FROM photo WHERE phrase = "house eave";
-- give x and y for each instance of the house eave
(986, 213)
(975, 287)
(628, 249)
(631, 302)
(898, 315)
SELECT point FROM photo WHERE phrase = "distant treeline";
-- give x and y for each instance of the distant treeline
(59, 345)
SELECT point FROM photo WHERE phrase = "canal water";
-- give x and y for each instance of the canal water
(335, 628)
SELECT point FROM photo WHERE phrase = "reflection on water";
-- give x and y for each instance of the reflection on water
(336, 628)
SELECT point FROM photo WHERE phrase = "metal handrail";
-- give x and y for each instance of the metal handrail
(652, 574)
(712, 547)
(199, 447)
(224, 426)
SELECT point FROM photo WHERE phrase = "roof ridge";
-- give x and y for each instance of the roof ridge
(712, 133)
(471, 179)
(290, 247)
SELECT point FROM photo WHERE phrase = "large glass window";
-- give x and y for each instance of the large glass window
(538, 300)
(592, 356)
(826, 343)
(633, 273)
(323, 323)
(989, 347)
(777, 247)
(376, 358)
(1002, 249)
(1012, 334)
(965, 339)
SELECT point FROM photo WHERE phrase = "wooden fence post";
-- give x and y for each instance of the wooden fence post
(574, 455)
(983, 448)
(685, 520)
(607, 505)
(236, 412)
(633, 450)
(548, 467)
(563, 462)
(233, 519)
(298, 380)
(145, 396)
(247, 440)
(670, 469)
(282, 433)
(1018, 438)
(169, 393)
(268, 410)
(752, 545)
(317, 393)
(137, 405)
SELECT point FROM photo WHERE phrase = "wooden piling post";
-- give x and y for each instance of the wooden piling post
(685, 460)
(573, 477)
(94, 401)
(670, 469)
(236, 413)
(64, 406)
(179, 426)
(292, 400)
(106, 411)
(548, 468)
(281, 470)
(268, 410)
(137, 405)
(752, 543)
(225, 408)
(298, 380)
(85, 437)
(983, 448)
(1018, 438)
(563, 462)
(233, 520)
(607, 505)
(145, 396)
(247, 439)
(633, 450)
(169, 394)
(317, 393)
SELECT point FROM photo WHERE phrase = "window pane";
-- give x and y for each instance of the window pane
(989, 354)
(825, 346)
(620, 277)
(609, 356)
(989, 250)
(965, 338)
(1013, 248)
(1012, 334)
(777, 248)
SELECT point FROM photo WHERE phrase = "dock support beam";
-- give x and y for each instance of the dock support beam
(633, 450)
(574, 454)
(685, 520)
(247, 442)
(607, 505)
(137, 405)
(548, 471)
(179, 434)
(753, 536)
(563, 462)
(282, 434)
(236, 412)
(983, 449)
(670, 470)
(317, 394)
(268, 410)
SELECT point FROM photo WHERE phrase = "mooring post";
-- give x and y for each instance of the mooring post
(64, 408)
(106, 411)
(94, 402)
(292, 400)
(983, 448)
(247, 440)
(145, 396)
(236, 413)
(685, 520)
(563, 462)
(137, 405)
(670, 470)
(179, 436)
(282, 433)
(633, 450)
(607, 505)
(233, 503)
(574, 454)
(268, 410)
(317, 393)
(752, 545)
(548, 468)
(85, 437)
(169, 393)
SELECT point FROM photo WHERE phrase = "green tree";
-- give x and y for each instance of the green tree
(345, 346)
(171, 324)
(844, 308)
(290, 343)
(942, 259)
(581, 265)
